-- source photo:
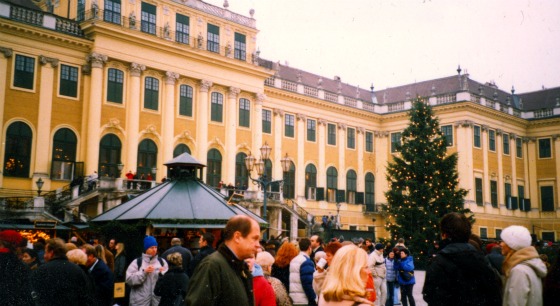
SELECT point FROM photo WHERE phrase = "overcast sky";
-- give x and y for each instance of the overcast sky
(396, 42)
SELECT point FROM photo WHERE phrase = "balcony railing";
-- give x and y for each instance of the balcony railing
(43, 20)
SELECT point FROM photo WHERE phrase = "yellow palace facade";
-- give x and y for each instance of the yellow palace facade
(99, 83)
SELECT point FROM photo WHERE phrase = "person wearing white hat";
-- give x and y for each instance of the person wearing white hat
(522, 268)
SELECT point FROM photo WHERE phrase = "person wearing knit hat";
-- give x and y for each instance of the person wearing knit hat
(14, 283)
(143, 273)
(522, 267)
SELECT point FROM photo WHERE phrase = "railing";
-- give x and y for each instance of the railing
(395, 107)
(269, 81)
(45, 20)
(137, 184)
(541, 113)
(290, 86)
(350, 102)
(166, 33)
(368, 106)
(331, 97)
(450, 98)
(16, 203)
(311, 91)
(302, 213)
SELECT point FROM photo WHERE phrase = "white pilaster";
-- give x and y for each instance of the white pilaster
(133, 116)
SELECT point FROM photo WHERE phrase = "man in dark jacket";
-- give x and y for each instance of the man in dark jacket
(223, 278)
(459, 274)
(60, 282)
(206, 241)
(177, 248)
(102, 276)
(14, 282)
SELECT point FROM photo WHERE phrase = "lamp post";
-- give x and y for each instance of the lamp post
(39, 184)
(263, 181)
(338, 215)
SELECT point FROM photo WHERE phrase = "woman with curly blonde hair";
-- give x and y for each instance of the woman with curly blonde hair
(281, 266)
(345, 284)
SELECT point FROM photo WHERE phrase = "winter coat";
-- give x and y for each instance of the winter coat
(221, 279)
(174, 282)
(459, 273)
(524, 272)
(14, 283)
(283, 274)
(264, 293)
(301, 279)
(202, 253)
(120, 267)
(407, 265)
(391, 272)
(142, 284)
(104, 283)
(376, 264)
(60, 282)
(318, 280)
(282, 297)
(185, 254)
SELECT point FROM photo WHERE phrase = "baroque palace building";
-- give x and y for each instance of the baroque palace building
(87, 85)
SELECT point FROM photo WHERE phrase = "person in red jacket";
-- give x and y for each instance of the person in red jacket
(262, 289)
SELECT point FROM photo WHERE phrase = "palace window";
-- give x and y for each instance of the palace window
(148, 18)
(241, 173)
(545, 150)
(109, 155)
(17, 155)
(519, 147)
(180, 149)
(266, 121)
(151, 93)
(63, 154)
(369, 141)
(395, 142)
(240, 47)
(68, 81)
(547, 198)
(182, 29)
(479, 192)
(290, 182)
(491, 140)
(370, 192)
(217, 108)
(476, 136)
(214, 172)
(147, 157)
(332, 184)
(311, 130)
(115, 81)
(331, 134)
(24, 72)
(185, 100)
(213, 38)
(351, 187)
(447, 131)
(505, 141)
(244, 112)
(289, 125)
(310, 182)
(351, 138)
(112, 11)
(494, 193)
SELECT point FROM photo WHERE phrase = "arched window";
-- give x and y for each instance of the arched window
(147, 159)
(351, 187)
(332, 184)
(241, 180)
(370, 192)
(180, 149)
(290, 182)
(214, 172)
(63, 155)
(109, 155)
(310, 182)
(17, 156)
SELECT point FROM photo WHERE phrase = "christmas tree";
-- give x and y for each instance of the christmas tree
(423, 183)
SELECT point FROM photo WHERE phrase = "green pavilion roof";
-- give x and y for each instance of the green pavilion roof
(181, 200)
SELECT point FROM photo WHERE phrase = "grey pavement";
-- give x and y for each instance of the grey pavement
(417, 291)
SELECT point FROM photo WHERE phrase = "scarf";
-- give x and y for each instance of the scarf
(513, 258)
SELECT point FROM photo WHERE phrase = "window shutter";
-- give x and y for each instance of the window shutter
(320, 194)
(514, 203)
(340, 196)
(359, 198)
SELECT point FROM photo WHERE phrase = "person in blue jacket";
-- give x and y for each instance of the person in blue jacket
(405, 277)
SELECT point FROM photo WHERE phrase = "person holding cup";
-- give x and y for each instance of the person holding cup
(322, 266)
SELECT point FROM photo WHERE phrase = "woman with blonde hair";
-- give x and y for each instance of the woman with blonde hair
(345, 284)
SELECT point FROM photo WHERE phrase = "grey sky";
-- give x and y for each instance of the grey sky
(396, 42)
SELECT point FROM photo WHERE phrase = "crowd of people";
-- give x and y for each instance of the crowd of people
(243, 270)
